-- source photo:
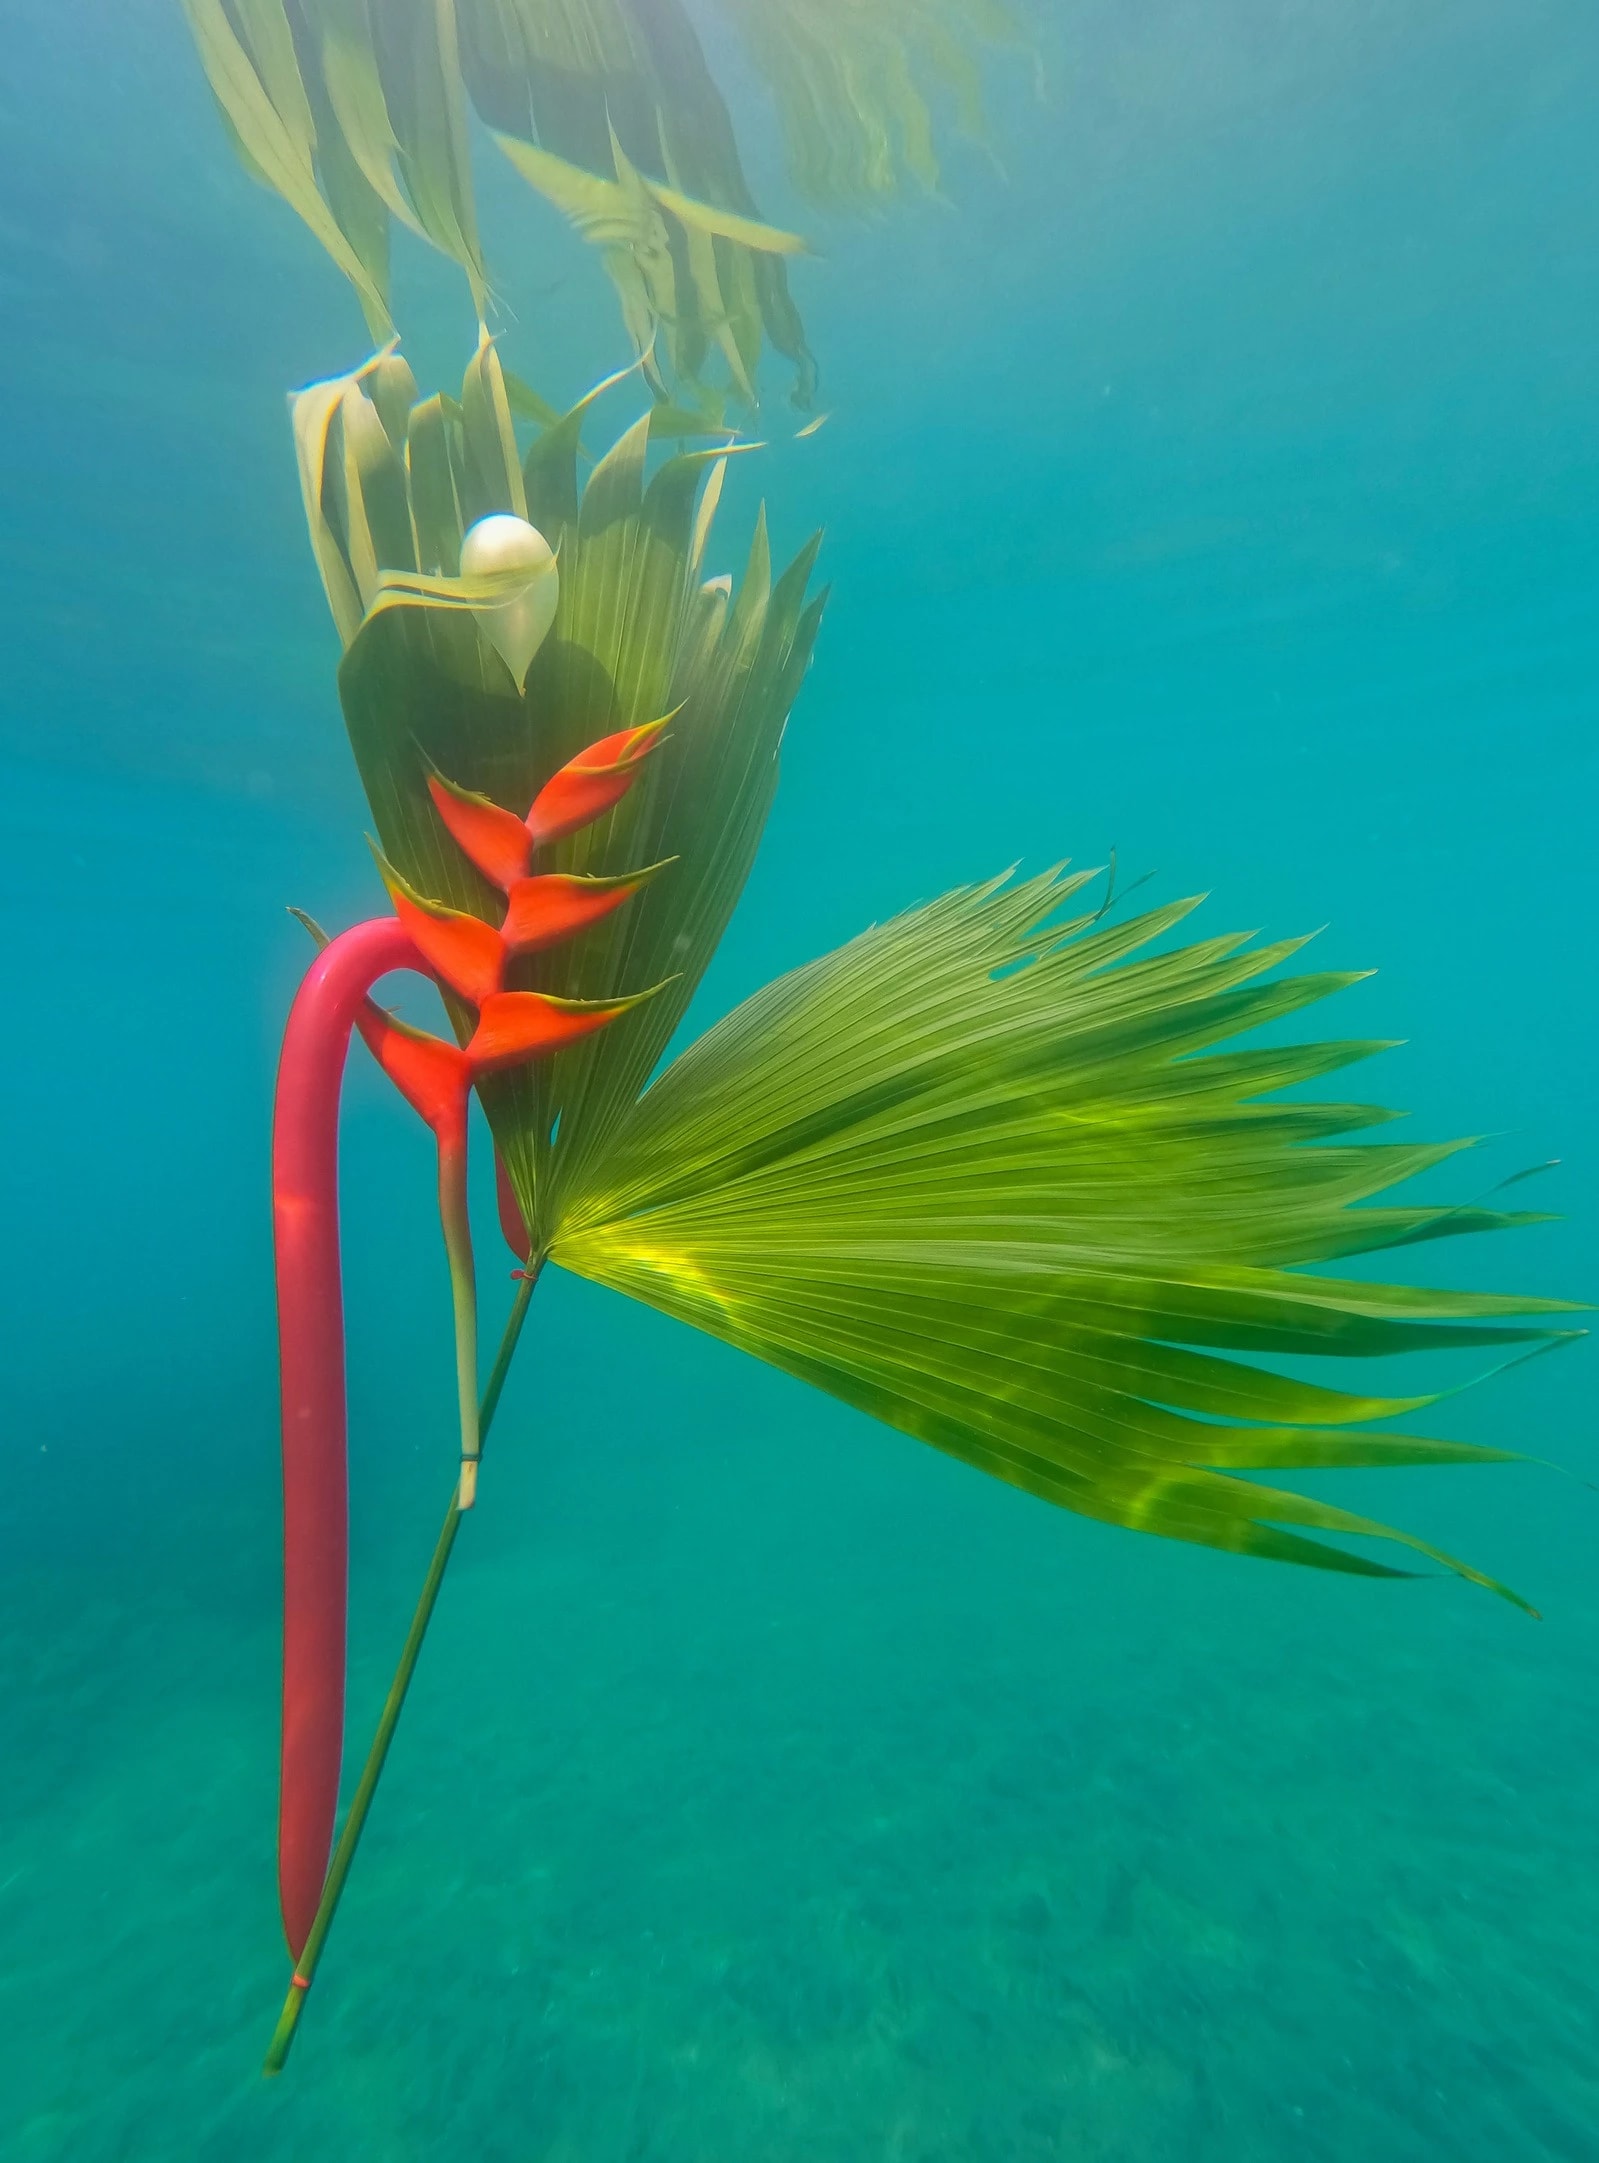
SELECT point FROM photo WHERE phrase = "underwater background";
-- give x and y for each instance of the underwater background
(1216, 483)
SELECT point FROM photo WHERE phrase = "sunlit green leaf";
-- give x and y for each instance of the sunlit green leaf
(985, 1175)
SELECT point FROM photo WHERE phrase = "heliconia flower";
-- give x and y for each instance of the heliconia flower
(501, 845)
(436, 1078)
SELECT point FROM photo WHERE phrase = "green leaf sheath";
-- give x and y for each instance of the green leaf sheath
(986, 1176)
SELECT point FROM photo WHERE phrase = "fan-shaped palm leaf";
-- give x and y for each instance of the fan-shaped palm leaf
(987, 1178)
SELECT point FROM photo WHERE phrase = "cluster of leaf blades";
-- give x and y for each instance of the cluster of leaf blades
(355, 112)
(987, 1176)
(860, 89)
(609, 109)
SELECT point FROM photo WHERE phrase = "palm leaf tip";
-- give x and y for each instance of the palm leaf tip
(1005, 1182)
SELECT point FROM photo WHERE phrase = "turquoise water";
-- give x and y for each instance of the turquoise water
(1218, 485)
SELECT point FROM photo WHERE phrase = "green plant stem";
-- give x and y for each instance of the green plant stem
(355, 1820)
(457, 1223)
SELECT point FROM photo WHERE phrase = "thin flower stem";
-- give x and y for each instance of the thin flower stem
(372, 1771)
(454, 1216)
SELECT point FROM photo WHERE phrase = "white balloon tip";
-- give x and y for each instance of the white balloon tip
(517, 626)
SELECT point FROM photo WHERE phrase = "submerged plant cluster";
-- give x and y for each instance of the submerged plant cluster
(995, 1172)
(356, 113)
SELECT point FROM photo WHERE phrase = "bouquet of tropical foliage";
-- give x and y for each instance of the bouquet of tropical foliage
(998, 1172)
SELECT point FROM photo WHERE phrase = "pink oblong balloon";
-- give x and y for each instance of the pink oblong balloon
(305, 1207)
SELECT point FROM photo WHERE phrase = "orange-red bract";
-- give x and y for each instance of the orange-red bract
(466, 952)
(431, 1075)
(556, 905)
(496, 841)
(589, 785)
(517, 1025)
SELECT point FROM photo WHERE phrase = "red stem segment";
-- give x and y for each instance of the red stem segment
(311, 1344)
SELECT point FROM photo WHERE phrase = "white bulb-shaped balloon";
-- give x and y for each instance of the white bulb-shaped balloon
(517, 626)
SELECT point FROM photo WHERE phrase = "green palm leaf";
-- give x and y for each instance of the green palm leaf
(250, 62)
(602, 95)
(354, 114)
(860, 90)
(985, 1176)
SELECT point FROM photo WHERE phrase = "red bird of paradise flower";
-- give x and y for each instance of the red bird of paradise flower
(468, 957)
